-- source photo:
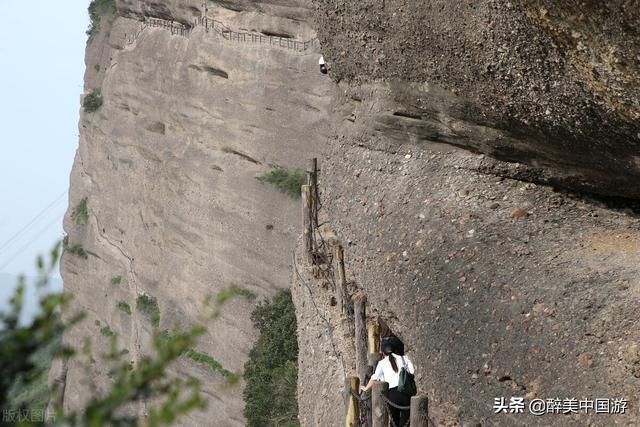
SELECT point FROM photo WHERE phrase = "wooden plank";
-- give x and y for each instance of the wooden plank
(419, 416)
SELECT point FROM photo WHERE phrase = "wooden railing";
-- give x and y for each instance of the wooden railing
(362, 410)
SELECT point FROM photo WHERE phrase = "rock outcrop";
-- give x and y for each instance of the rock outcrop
(555, 85)
(500, 283)
(168, 165)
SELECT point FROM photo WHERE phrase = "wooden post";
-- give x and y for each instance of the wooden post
(342, 279)
(312, 180)
(360, 302)
(372, 361)
(379, 415)
(419, 411)
(373, 331)
(307, 228)
(352, 385)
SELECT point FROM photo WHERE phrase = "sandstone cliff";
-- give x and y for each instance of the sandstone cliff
(424, 97)
(168, 165)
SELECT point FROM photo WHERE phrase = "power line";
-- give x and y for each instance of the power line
(25, 247)
(33, 221)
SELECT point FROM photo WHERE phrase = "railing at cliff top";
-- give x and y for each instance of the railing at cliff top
(211, 25)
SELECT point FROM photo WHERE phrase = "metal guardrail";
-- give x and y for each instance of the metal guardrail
(211, 25)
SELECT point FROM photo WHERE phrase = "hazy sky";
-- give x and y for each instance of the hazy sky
(41, 71)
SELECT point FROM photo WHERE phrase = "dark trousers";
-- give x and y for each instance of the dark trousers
(400, 418)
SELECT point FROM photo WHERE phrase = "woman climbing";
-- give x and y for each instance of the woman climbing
(388, 370)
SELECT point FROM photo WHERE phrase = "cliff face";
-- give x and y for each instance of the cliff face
(168, 165)
(552, 84)
(499, 285)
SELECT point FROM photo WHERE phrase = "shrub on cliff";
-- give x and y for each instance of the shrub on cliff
(93, 101)
(271, 373)
(97, 10)
(149, 306)
(288, 181)
(27, 351)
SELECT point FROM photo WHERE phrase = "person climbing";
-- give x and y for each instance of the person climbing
(323, 66)
(388, 370)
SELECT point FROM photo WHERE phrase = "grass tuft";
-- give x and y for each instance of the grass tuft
(106, 331)
(287, 181)
(76, 249)
(124, 307)
(80, 214)
(233, 291)
(149, 306)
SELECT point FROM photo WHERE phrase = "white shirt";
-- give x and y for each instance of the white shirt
(384, 371)
(321, 61)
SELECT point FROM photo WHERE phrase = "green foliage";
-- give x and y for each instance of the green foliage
(225, 295)
(80, 214)
(233, 291)
(75, 249)
(208, 360)
(149, 306)
(93, 101)
(106, 331)
(116, 280)
(27, 351)
(272, 369)
(269, 227)
(97, 67)
(99, 9)
(232, 378)
(124, 307)
(288, 181)
(33, 393)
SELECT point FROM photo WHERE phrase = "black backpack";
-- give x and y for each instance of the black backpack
(406, 382)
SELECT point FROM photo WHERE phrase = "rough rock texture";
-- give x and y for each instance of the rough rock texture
(498, 287)
(169, 164)
(554, 84)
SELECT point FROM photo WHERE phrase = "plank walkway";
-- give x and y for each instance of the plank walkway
(217, 27)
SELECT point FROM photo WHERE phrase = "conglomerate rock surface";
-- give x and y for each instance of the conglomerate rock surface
(498, 287)
(554, 84)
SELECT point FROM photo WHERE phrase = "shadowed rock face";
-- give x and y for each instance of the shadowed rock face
(168, 165)
(556, 83)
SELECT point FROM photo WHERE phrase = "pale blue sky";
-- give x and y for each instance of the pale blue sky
(41, 72)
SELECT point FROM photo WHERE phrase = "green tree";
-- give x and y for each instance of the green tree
(271, 373)
(22, 369)
(99, 9)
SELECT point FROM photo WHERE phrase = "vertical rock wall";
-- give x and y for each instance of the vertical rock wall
(168, 165)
